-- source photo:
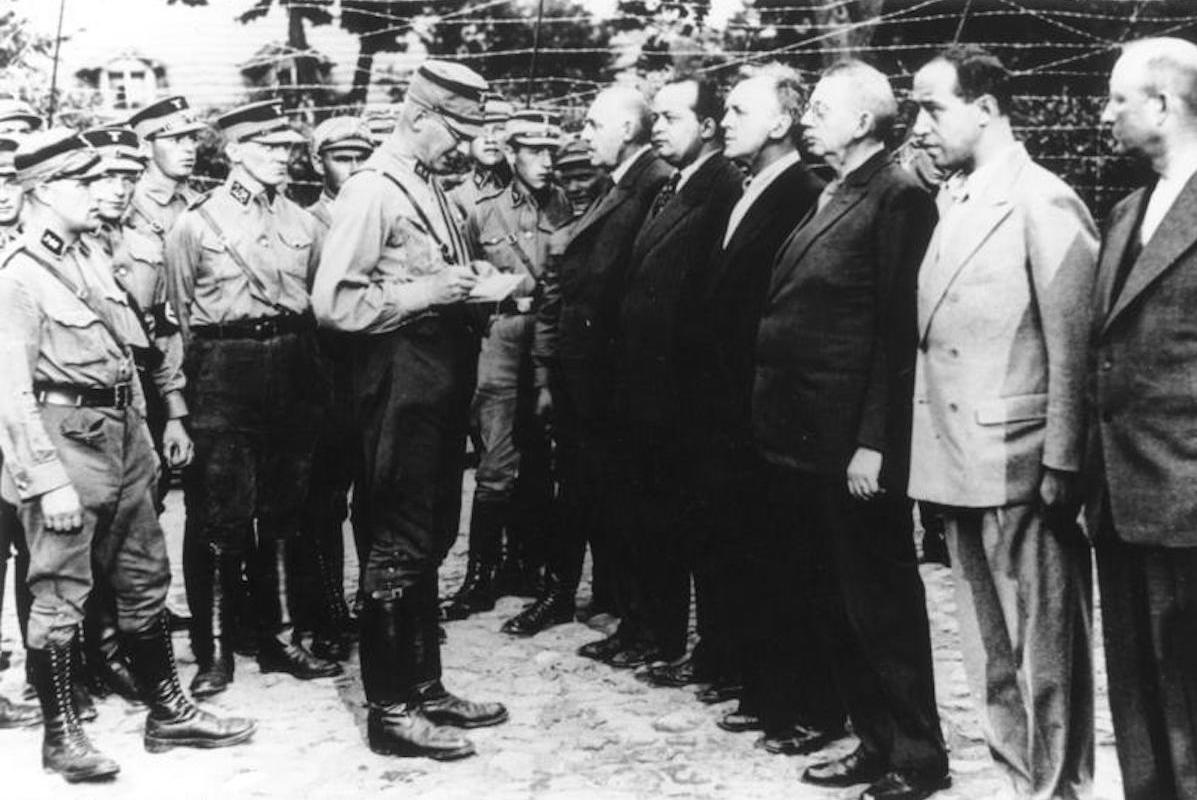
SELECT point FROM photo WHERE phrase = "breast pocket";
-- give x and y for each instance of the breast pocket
(74, 334)
(215, 261)
(297, 252)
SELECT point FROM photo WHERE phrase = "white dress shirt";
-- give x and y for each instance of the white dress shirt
(1166, 190)
(625, 165)
(756, 187)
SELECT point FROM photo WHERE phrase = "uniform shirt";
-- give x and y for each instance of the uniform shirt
(8, 234)
(321, 210)
(129, 276)
(480, 182)
(379, 256)
(511, 230)
(278, 240)
(48, 334)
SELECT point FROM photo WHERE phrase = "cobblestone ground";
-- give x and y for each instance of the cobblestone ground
(578, 729)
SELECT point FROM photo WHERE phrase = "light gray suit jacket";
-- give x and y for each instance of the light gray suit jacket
(1004, 314)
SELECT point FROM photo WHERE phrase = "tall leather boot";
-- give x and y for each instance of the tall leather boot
(278, 648)
(65, 747)
(435, 701)
(477, 591)
(395, 724)
(173, 720)
(84, 706)
(331, 640)
(107, 671)
(212, 617)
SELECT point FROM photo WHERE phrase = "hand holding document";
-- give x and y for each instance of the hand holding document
(494, 287)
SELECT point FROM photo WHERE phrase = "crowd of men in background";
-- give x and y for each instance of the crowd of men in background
(670, 341)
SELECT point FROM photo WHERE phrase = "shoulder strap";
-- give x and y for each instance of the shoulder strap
(250, 275)
(83, 296)
(446, 251)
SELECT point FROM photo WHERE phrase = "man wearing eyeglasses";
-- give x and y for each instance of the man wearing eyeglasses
(396, 268)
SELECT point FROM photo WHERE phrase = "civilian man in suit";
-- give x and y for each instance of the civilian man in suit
(831, 414)
(574, 341)
(998, 421)
(1142, 458)
(673, 247)
(718, 337)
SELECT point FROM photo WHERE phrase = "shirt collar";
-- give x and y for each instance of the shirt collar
(1181, 170)
(981, 180)
(625, 165)
(245, 190)
(760, 181)
(687, 172)
(163, 193)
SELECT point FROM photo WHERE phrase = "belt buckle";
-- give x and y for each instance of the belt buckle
(120, 396)
(263, 328)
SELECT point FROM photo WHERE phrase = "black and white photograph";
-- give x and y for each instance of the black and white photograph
(598, 399)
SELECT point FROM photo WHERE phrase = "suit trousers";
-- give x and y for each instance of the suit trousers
(873, 623)
(788, 674)
(109, 459)
(1024, 599)
(650, 553)
(1149, 616)
(413, 389)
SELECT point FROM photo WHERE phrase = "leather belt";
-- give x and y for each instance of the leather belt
(260, 328)
(68, 394)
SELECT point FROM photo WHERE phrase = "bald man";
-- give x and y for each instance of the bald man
(1142, 456)
(573, 347)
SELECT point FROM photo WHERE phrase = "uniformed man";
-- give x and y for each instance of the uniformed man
(239, 263)
(576, 175)
(159, 368)
(490, 169)
(396, 268)
(510, 227)
(79, 460)
(339, 146)
(12, 540)
(17, 117)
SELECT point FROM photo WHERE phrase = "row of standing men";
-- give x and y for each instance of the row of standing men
(745, 384)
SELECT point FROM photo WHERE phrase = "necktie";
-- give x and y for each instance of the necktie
(828, 192)
(667, 193)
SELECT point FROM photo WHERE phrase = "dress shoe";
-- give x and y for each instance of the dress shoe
(402, 730)
(441, 708)
(678, 674)
(603, 649)
(907, 785)
(720, 692)
(636, 655)
(796, 740)
(15, 715)
(334, 647)
(544, 613)
(859, 766)
(293, 659)
(739, 721)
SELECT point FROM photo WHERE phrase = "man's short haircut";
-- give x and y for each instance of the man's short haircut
(633, 102)
(1170, 64)
(978, 73)
(708, 101)
(790, 90)
(871, 89)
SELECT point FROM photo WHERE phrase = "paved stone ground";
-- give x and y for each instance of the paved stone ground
(578, 729)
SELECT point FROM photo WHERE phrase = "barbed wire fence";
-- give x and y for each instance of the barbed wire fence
(1060, 52)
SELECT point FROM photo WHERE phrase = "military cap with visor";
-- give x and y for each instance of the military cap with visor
(119, 148)
(53, 155)
(14, 110)
(166, 118)
(534, 128)
(342, 133)
(452, 91)
(263, 123)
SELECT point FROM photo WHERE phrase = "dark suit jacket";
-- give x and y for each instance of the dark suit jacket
(671, 249)
(1142, 453)
(836, 346)
(722, 309)
(582, 286)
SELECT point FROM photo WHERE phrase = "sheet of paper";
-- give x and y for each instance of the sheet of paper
(494, 288)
